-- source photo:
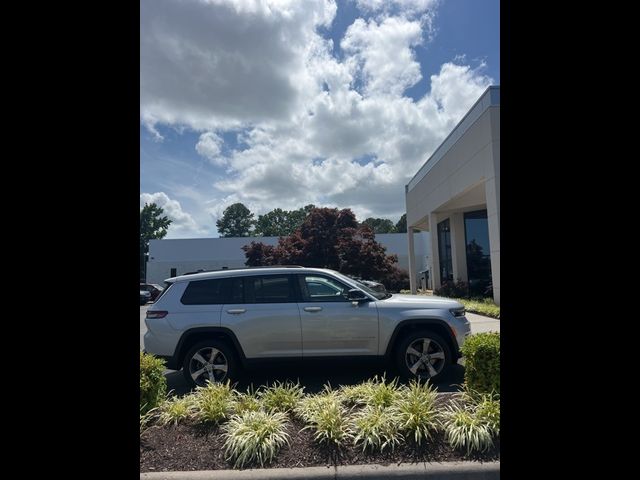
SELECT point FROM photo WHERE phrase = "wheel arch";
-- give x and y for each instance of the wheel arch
(194, 335)
(437, 326)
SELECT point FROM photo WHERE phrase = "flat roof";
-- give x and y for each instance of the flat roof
(490, 98)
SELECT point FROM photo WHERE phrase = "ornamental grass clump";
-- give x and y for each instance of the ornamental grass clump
(177, 409)
(487, 410)
(254, 436)
(309, 406)
(383, 394)
(281, 397)
(465, 430)
(325, 414)
(376, 428)
(419, 417)
(352, 395)
(376, 392)
(214, 402)
(246, 402)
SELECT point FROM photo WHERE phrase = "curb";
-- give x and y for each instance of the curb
(432, 471)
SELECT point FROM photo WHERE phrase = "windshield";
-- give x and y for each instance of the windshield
(378, 295)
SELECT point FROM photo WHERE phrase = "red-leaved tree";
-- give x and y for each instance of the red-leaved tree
(332, 238)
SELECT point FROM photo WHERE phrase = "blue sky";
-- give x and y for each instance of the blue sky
(249, 102)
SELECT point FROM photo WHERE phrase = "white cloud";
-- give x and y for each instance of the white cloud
(305, 115)
(182, 222)
(209, 146)
(219, 64)
(401, 7)
(382, 51)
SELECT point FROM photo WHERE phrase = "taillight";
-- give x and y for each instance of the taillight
(156, 313)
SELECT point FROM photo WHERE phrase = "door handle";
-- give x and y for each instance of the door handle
(236, 311)
(312, 309)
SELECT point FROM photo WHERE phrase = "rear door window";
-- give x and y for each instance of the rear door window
(203, 292)
(269, 289)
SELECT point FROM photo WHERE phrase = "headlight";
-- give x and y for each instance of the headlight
(458, 312)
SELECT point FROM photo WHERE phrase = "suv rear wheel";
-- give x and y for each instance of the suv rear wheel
(209, 360)
(423, 355)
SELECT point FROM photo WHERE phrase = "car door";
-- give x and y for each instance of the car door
(264, 316)
(332, 325)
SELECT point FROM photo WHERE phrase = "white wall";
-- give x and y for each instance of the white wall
(464, 175)
(188, 255)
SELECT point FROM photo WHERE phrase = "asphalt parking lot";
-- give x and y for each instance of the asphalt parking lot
(313, 377)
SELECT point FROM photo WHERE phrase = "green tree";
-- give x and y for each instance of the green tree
(279, 223)
(237, 221)
(380, 225)
(152, 226)
(331, 238)
(401, 226)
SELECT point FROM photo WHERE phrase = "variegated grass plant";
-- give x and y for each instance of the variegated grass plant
(255, 436)
(213, 402)
(280, 397)
(416, 407)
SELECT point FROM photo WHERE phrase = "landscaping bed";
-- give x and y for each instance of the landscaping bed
(193, 446)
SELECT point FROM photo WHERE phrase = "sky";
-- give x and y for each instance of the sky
(283, 103)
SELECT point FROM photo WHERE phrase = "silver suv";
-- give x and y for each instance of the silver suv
(212, 324)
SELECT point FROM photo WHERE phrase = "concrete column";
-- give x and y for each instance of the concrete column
(458, 247)
(435, 256)
(412, 261)
(492, 192)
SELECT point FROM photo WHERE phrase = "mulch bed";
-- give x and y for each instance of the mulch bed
(196, 447)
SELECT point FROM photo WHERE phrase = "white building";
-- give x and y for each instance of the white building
(456, 197)
(168, 258)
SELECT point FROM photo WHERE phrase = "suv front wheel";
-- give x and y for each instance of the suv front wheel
(209, 361)
(423, 355)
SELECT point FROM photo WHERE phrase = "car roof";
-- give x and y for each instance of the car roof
(243, 272)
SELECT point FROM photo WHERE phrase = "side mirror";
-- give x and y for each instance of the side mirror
(356, 295)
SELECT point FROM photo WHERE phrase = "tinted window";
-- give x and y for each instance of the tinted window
(203, 292)
(236, 295)
(269, 289)
(322, 289)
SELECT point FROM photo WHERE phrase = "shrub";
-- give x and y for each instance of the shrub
(153, 384)
(464, 430)
(376, 428)
(482, 362)
(214, 402)
(396, 280)
(450, 289)
(482, 306)
(255, 436)
(177, 409)
(281, 397)
(416, 408)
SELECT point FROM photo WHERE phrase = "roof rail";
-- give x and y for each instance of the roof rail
(242, 268)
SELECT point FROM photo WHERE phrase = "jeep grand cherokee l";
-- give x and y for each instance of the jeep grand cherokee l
(211, 324)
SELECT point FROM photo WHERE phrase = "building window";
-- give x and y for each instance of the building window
(173, 272)
(476, 231)
(444, 251)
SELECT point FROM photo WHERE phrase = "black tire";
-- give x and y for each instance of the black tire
(435, 345)
(225, 356)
